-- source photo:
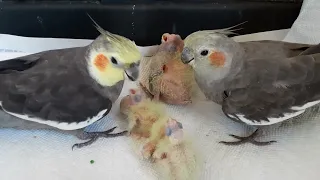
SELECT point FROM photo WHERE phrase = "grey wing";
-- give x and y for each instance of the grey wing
(57, 95)
(273, 49)
(19, 64)
(311, 50)
(280, 91)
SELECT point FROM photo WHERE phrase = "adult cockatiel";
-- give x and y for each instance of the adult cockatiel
(68, 89)
(263, 82)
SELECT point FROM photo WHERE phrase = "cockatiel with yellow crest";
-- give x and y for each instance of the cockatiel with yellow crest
(68, 89)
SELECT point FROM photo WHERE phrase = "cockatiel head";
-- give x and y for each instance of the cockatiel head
(111, 56)
(212, 54)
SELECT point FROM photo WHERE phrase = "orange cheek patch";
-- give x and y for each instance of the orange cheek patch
(101, 62)
(217, 59)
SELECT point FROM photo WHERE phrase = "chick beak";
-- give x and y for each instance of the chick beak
(133, 71)
(187, 55)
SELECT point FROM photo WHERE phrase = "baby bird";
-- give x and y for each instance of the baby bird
(164, 77)
(160, 136)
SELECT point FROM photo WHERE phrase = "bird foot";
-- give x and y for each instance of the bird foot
(148, 150)
(248, 139)
(93, 136)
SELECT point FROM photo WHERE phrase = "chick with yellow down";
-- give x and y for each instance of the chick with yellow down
(159, 138)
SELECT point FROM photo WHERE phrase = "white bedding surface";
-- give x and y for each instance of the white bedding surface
(47, 155)
(306, 27)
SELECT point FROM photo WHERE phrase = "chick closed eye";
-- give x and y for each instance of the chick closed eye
(164, 68)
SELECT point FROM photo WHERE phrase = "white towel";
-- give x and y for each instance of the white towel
(306, 27)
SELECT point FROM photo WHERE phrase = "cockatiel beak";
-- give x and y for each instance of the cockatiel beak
(187, 55)
(132, 71)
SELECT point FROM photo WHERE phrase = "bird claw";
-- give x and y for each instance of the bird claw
(93, 136)
(87, 143)
(237, 137)
(248, 139)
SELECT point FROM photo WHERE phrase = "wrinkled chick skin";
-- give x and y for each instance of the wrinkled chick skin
(174, 84)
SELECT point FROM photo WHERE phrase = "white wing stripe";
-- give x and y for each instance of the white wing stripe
(305, 106)
(299, 110)
(271, 120)
(56, 124)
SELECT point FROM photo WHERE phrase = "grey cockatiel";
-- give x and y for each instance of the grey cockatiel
(263, 82)
(271, 49)
(67, 89)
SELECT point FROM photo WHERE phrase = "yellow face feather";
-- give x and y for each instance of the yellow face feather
(102, 70)
(119, 48)
(126, 49)
(126, 53)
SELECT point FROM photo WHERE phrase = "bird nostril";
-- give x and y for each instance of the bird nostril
(164, 37)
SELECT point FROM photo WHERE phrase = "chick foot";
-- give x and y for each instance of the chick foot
(148, 150)
(248, 139)
(93, 136)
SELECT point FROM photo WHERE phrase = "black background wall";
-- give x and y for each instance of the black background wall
(142, 20)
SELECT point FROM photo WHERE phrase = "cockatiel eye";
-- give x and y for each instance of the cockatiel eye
(113, 60)
(204, 52)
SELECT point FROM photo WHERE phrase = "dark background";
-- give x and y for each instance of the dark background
(147, 22)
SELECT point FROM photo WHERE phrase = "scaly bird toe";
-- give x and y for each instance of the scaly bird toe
(248, 139)
(93, 136)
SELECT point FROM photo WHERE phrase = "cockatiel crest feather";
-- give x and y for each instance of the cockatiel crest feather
(224, 31)
(122, 45)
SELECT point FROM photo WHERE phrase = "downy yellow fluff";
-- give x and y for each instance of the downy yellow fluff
(148, 121)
